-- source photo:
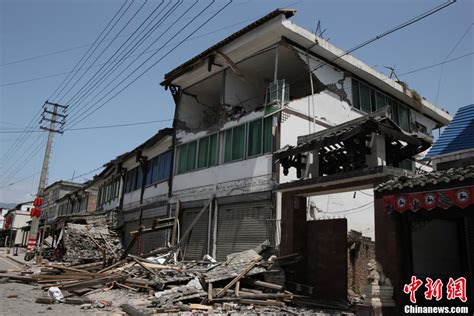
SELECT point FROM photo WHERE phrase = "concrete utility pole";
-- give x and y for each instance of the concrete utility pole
(51, 117)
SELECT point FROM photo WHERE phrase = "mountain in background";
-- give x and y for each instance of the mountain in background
(7, 205)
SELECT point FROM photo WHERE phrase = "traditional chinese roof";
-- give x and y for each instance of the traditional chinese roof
(378, 121)
(448, 177)
(457, 136)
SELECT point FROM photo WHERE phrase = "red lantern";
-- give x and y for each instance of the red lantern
(38, 201)
(35, 212)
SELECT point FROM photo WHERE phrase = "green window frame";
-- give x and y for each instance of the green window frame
(213, 149)
(355, 94)
(203, 153)
(238, 142)
(268, 135)
(255, 138)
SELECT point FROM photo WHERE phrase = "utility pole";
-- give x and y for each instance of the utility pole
(51, 115)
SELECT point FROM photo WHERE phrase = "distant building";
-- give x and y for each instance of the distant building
(14, 220)
(52, 193)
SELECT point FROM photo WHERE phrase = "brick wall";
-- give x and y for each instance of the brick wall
(360, 250)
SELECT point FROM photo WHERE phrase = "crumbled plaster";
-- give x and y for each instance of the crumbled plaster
(318, 86)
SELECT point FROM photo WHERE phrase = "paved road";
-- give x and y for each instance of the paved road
(6, 263)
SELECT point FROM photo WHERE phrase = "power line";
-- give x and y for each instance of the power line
(96, 127)
(435, 65)
(146, 52)
(390, 31)
(156, 62)
(88, 105)
(83, 46)
(89, 88)
(104, 49)
(447, 56)
(21, 180)
(91, 47)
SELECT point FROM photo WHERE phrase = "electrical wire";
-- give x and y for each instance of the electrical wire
(104, 49)
(447, 56)
(104, 77)
(91, 48)
(87, 106)
(97, 127)
(159, 60)
(111, 60)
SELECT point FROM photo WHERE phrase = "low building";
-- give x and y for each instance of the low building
(51, 195)
(15, 220)
(134, 188)
(82, 201)
(425, 222)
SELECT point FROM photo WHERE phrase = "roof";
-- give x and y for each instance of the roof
(451, 176)
(63, 183)
(211, 50)
(160, 135)
(457, 136)
(378, 120)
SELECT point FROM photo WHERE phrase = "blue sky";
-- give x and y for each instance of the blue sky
(31, 28)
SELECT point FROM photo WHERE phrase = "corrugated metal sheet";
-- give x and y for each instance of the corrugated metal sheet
(241, 227)
(459, 135)
(196, 247)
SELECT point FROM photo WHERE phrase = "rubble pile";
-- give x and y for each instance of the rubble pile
(91, 242)
(164, 285)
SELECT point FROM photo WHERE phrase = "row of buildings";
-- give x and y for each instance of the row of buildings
(271, 124)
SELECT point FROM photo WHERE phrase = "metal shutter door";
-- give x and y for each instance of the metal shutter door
(196, 246)
(241, 227)
(149, 241)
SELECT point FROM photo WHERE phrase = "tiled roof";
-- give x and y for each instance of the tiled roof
(453, 175)
(459, 135)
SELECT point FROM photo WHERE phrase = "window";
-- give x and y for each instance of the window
(368, 99)
(267, 135)
(203, 153)
(246, 140)
(133, 179)
(213, 150)
(164, 166)
(191, 156)
(187, 157)
(238, 142)
(255, 138)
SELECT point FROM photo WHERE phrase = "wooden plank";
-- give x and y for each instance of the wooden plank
(26, 279)
(209, 292)
(261, 302)
(90, 283)
(44, 300)
(151, 230)
(175, 223)
(144, 267)
(200, 307)
(237, 288)
(239, 276)
(267, 285)
(191, 226)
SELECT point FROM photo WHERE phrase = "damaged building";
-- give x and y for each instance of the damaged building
(243, 107)
(134, 190)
